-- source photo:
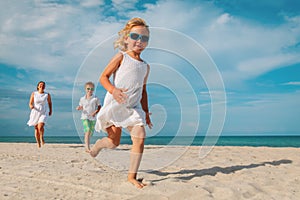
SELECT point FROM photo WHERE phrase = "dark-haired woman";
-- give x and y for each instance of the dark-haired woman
(41, 107)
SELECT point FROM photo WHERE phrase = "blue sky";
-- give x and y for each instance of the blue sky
(255, 48)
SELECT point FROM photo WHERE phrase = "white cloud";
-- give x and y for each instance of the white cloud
(123, 5)
(257, 66)
(92, 3)
(224, 18)
(122, 8)
(217, 96)
(264, 113)
(297, 83)
(244, 50)
(235, 44)
(178, 15)
(48, 37)
(57, 37)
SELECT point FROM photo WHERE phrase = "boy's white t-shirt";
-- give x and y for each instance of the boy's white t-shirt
(89, 106)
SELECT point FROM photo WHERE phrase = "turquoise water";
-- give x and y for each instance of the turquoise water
(270, 141)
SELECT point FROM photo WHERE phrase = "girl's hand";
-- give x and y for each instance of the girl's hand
(79, 108)
(148, 120)
(119, 95)
(94, 114)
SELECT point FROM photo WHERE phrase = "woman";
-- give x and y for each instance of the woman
(39, 103)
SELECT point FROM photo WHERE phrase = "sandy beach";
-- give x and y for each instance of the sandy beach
(65, 171)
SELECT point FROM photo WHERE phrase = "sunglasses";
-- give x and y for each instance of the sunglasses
(90, 89)
(135, 36)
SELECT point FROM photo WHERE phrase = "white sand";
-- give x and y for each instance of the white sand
(65, 171)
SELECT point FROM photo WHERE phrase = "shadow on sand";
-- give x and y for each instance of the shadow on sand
(75, 146)
(193, 173)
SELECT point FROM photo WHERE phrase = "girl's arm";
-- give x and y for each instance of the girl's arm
(31, 101)
(113, 65)
(144, 100)
(96, 111)
(50, 105)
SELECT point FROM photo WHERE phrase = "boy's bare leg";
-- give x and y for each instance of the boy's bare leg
(110, 142)
(137, 136)
(87, 141)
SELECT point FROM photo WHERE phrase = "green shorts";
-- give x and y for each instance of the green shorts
(88, 125)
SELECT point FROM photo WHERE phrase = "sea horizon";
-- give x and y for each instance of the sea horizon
(255, 141)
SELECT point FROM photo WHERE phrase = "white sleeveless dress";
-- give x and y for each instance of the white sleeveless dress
(39, 113)
(130, 75)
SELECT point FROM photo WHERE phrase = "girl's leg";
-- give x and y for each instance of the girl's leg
(110, 142)
(37, 136)
(41, 132)
(137, 136)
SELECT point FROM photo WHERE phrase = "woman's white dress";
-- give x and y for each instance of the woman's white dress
(130, 75)
(39, 113)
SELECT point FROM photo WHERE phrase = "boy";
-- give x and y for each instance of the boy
(89, 104)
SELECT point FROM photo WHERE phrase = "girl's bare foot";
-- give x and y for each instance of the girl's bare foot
(136, 183)
(87, 150)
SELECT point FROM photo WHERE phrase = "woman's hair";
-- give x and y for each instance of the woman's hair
(89, 83)
(37, 86)
(119, 43)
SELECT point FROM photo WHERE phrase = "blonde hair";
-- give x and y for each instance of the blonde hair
(119, 43)
(89, 83)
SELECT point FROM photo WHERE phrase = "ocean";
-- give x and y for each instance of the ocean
(255, 141)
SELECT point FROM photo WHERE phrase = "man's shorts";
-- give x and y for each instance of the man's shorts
(88, 125)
